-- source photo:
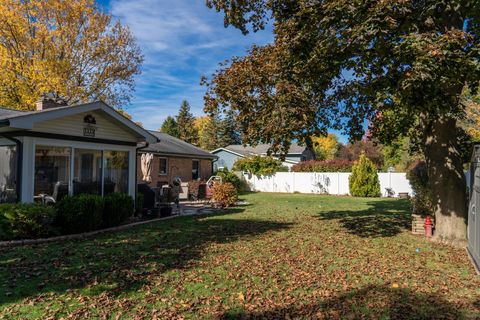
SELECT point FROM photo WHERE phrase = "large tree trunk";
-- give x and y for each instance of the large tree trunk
(447, 180)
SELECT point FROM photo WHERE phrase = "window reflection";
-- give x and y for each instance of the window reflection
(116, 172)
(8, 174)
(87, 177)
(52, 172)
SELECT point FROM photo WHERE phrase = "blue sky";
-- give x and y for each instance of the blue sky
(181, 40)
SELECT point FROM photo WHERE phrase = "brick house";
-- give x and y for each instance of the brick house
(175, 158)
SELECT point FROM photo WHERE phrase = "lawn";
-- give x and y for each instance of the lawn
(282, 256)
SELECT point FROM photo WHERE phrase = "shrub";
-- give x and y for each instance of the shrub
(363, 181)
(224, 194)
(231, 177)
(79, 213)
(118, 207)
(335, 165)
(258, 165)
(26, 221)
(417, 175)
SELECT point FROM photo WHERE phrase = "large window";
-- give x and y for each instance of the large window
(195, 169)
(163, 166)
(52, 172)
(87, 176)
(8, 174)
(116, 172)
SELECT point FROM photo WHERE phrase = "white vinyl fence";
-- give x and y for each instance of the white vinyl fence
(335, 183)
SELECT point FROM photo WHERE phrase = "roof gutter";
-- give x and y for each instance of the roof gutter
(19, 172)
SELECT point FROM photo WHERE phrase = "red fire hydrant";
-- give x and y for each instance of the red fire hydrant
(428, 227)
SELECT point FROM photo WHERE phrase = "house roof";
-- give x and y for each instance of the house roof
(171, 146)
(260, 149)
(24, 120)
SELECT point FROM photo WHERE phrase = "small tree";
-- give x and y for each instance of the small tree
(258, 165)
(417, 175)
(363, 181)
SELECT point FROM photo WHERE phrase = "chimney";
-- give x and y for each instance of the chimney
(46, 103)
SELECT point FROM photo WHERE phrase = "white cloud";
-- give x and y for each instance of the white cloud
(181, 40)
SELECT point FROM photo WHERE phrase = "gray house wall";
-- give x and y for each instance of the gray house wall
(225, 160)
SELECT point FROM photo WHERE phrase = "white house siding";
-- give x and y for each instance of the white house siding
(106, 127)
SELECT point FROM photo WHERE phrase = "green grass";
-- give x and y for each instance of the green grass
(298, 256)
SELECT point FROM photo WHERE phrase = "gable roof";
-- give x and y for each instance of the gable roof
(171, 146)
(260, 149)
(24, 120)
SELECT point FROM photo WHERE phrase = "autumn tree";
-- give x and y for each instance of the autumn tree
(325, 147)
(170, 126)
(69, 49)
(400, 65)
(207, 128)
(352, 151)
(186, 124)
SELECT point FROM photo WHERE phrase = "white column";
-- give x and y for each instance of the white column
(28, 170)
(132, 171)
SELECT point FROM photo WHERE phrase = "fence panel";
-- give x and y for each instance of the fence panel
(335, 183)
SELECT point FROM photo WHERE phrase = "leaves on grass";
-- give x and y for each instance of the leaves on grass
(282, 257)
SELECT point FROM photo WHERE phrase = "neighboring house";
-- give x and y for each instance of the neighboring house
(229, 154)
(175, 158)
(65, 150)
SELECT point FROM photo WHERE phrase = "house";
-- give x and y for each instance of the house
(172, 158)
(229, 154)
(58, 150)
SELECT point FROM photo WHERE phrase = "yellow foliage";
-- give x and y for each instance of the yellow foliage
(202, 123)
(68, 49)
(325, 147)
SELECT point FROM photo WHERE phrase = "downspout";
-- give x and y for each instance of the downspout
(136, 169)
(19, 163)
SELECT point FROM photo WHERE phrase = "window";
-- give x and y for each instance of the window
(87, 177)
(116, 172)
(163, 166)
(195, 169)
(8, 174)
(52, 172)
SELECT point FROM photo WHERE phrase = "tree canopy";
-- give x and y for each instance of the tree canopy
(68, 49)
(399, 65)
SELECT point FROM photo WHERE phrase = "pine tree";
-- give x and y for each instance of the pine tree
(363, 181)
(170, 126)
(228, 131)
(209, 132)
(186, 124)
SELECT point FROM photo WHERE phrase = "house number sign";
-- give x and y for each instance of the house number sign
(89, 127)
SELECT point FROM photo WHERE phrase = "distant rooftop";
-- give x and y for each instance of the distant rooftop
(261, 149)
(171, 146)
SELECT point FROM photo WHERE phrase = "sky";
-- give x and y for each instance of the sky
(182, 40)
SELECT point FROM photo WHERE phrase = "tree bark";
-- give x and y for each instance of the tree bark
(446, 179)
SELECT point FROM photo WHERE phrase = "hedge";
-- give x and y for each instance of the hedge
(335, 165)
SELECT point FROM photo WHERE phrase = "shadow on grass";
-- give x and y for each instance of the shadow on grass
(372, 302)
(382, 218)
(119, 262)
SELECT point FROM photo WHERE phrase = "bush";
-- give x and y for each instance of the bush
(418, 177)
(26, 221)
(224, 194)
(228, 176)
(335, 165)
(118, 207)
(363, 181)
(81, 213)
(258, 165)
